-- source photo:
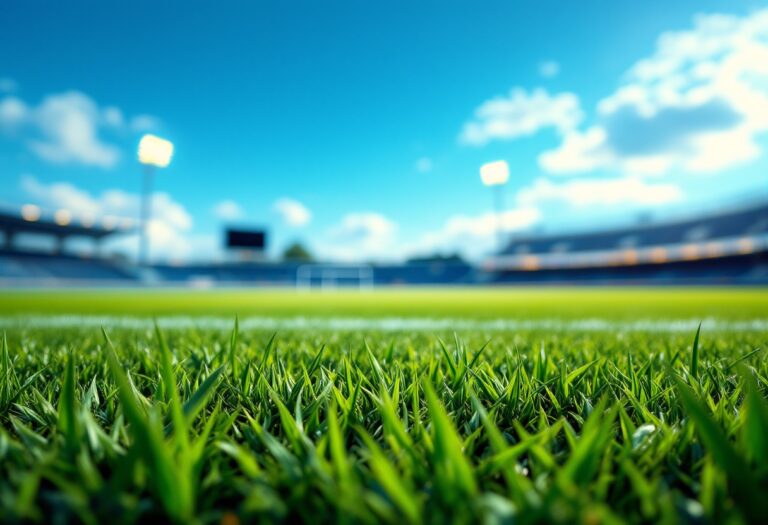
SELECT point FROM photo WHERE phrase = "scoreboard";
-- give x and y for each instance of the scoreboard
(242, 239)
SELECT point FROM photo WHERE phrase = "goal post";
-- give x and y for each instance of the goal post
(332, 276)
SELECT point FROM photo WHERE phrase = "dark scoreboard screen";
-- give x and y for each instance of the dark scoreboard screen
(250, 239)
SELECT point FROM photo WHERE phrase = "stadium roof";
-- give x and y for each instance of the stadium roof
(30, 220)
(746, 221)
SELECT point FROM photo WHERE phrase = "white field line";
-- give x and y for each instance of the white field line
(385, 324)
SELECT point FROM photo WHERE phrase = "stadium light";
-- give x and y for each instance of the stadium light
(154, 152)
(62, 217)
(30, 212)
(746, 245)
(495, 175)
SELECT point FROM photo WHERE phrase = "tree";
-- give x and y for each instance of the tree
(297, 252)
(437, 258)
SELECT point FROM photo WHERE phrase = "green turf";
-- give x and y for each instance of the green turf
(483, 303)
(202, 425)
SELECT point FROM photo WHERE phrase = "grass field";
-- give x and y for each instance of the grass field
(541, 423)
(476, 303)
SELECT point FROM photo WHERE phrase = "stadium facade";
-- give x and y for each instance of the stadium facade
(725, 247)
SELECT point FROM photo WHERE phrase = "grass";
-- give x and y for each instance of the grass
(475, 303)
(199, 425)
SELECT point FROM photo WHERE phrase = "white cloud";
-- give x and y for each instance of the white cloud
(228, 210)
(59, 195)
(168, 229)
(549, 69)
(68, 123)
(474, 235)
(521, 114)
(66, 128)
(8, 85)
(364, 225)
(488, 224)
(360, 236)
(424, 165)
(579, 152)
(113, 117)
(697, 104)
(292, 212)
(599, 192)
(13, 112)
(372, 236)
(143, 123)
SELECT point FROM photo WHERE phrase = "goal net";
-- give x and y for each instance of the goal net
(327, 276)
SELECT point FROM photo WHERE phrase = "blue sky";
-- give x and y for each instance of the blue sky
(359, 127)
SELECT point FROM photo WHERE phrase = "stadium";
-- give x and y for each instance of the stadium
(383, 263)
(726, 247)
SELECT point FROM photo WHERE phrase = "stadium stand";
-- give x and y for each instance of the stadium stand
(41, 268)
(24, 265)
(725, 247)
(277, 274)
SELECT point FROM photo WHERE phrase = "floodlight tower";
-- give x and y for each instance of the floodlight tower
(154, 152)
(495, 175)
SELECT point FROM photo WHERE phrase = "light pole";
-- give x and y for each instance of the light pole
(495, 175)
(154, 152)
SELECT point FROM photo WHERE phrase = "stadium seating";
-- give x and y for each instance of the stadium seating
(724, 247)
(746, 270)
(27, 268)
(262, 273)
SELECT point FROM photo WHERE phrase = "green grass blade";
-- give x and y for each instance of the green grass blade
(695, 354)
(200, 397)
(755, 429)
(171, 392)
(741, 481)
(173, 487)
(396, 487)
(452, 469)
(68, 410)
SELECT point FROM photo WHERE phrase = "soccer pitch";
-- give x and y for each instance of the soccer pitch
(583, 405)
(468, 303)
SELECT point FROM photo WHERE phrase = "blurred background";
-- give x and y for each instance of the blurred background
(342, 143)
